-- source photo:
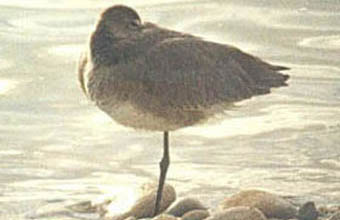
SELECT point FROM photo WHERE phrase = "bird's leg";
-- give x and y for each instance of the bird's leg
(164, 164)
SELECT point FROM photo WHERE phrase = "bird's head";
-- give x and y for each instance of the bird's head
(120, 21)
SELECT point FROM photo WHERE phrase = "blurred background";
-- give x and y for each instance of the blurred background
(57, 148)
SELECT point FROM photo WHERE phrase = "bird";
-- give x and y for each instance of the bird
(149, 77)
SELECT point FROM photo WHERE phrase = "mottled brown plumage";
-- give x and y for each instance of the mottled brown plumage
(151, 78)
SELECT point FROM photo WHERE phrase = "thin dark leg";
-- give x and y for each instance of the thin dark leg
(164, 164)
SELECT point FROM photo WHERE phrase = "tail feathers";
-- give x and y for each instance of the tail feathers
(279, 68)
(265, 75)
(285, 78)
(272, 77)
(276, 80)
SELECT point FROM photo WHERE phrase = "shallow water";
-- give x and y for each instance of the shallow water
(56, 148)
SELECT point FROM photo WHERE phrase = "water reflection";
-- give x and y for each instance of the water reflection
(322, 42)
(6, 85)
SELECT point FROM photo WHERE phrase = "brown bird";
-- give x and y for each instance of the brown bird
(151, 78)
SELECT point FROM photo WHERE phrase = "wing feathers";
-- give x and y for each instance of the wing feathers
(192, 72)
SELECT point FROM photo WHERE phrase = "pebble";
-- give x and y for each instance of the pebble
(164, 217)
(328, 210)
(238, 213)
(196, 215)
(308, 212)
(144, 207)
(185, 205)
(131, 218)
(271, 205)
(336, 216)
(281, 219)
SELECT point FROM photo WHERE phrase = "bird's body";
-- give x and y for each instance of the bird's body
(147, 77)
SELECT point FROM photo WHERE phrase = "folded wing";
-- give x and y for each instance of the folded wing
(192, 73)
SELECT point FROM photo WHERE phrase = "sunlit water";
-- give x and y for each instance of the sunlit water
(56, 148)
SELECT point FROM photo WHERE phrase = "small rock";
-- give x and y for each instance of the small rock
(164, 217)
(336, 216)
(185, 205)
(238, 213)
(328, 210)
(82, 207)
(131, 218)
(281, 219)
(59, 210)
(271, 205)
(196, 215)
(308, 212)
(144, 207)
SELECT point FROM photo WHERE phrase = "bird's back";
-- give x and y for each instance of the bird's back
(170, 80)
